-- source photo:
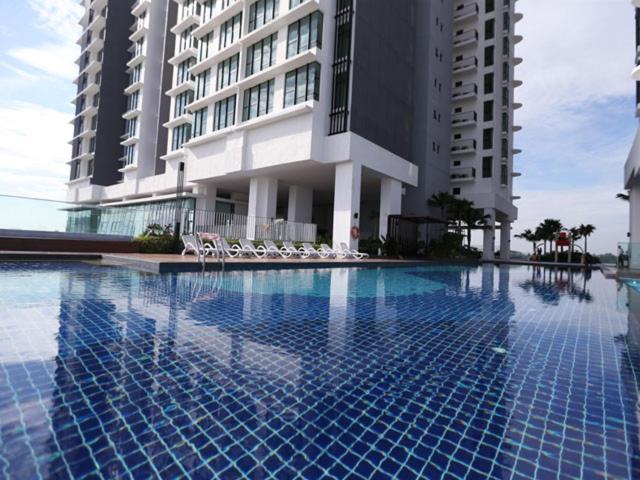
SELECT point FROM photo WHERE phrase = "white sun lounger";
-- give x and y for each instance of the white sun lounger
(293, 251)
(347, 252)
(274, 251)
(248, 248)
(192, 244)
(327, 251)
(309, 251)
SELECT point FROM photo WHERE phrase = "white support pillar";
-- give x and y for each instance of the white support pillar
(300, 204)
(489, 236)
(206, 197)
(346, 204)
(263, 198)
(390, 202)
(634, 227)
(204, 217)
(505, 240)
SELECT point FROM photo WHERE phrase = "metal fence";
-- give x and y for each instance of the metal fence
(234, 226)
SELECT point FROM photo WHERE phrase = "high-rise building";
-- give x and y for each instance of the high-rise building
(337, 113)
(632, 167)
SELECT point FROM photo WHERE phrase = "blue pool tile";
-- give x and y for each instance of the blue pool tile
(434, 372)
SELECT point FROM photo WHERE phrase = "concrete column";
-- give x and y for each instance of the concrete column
(204, 218)
(300, 204)
(390, 202)
(263, 199)
(489, 236)
(505, 240)
(206, 197)
(634, 226)
(346, 204)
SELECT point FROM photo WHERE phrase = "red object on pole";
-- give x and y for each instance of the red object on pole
(563, 240)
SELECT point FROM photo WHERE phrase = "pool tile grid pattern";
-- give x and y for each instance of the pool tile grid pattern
(453, 383)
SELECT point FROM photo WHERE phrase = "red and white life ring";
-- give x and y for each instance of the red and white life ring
(355, 232)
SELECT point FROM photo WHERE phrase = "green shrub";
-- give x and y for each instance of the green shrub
(157, 239)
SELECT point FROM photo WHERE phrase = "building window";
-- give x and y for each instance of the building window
(505, 46)
(181, 103)
(489, 54)
(456, 191)
(262, 12)
(261, 55)
(131, 127)
(302, 84)
(224, 114)
(339, 115)
(258, 100)
(206, 46)
(488, 83)
(183, 73)
(92, 145)
(305, 34)
(489, 29)
(75, 170)
(187, 40)
(203, 82)
(200, 122)
(90, 165)
(490, 6)
(504, 175)
(227, 72)
(295, 3)
(505, 122)
(488, 111)
(505, 72)
(208, 7)
(487, 139)
(505, 96)
(94, 122)
(180, 136)
(505, 148)
(129, 155)
(230, 31)
(487, 167)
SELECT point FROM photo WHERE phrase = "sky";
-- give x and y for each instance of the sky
(577, 116)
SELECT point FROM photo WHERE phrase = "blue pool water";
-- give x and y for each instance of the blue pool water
(434, 372)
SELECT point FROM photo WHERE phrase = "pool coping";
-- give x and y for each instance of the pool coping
(177, 264)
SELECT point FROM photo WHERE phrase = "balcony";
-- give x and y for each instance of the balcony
(465, 65)
(140, 6)
(185, 23)
(184, 55)
(469, 90)
(463, 174)
(466, 12)
(465, 38)
(462, 147)
(463, 119)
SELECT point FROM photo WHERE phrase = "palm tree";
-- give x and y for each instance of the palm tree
(586, 231)
(574, 235)
(548, 230)
(458, 209)
(529, 236)
(472, 218)
(443, 201)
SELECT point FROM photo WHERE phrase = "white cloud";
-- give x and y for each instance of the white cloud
(58, 18)
(34, 150)
(52, 59)
(574, 51)
(578, 56)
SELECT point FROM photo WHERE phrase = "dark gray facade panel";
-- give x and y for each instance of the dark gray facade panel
(383, 73)
(162, 136)
(113, 101)
(431, 138)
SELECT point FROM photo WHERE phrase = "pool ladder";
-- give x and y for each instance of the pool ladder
(220, 253)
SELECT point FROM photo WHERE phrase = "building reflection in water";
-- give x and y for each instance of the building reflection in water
(241, 376)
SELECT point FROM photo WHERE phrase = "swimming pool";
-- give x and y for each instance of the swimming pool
(345, 373)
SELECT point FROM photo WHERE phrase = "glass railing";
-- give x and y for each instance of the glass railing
(628, 255)
(33, 217)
